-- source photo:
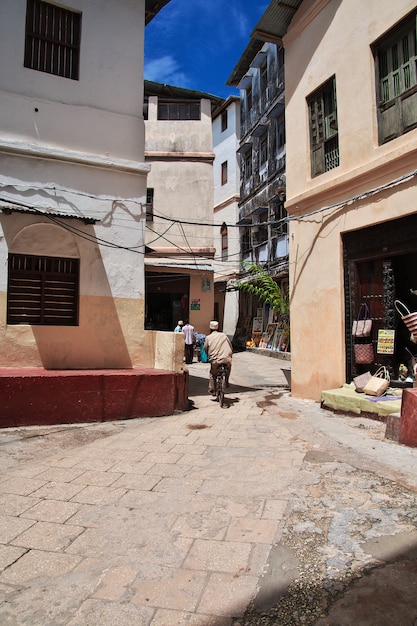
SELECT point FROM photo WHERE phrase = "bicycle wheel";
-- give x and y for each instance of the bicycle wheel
(221, 395)
(221, 383)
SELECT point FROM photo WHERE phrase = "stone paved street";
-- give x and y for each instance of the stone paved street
(268, 511)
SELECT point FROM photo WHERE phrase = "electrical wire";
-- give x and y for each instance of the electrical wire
(140, 249)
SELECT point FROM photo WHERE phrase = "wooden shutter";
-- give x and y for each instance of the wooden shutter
(42, 290)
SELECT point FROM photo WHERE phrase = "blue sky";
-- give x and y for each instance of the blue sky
(196, 43)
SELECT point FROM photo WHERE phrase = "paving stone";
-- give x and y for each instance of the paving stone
(58, 491)
(11, 527)
(21, 486)
(164, 617)
(218, 556)
(48, 536)
(252, 530)
(227, 594)
(38, 563)
(179, 590)
(51, 511)
(8, 555)
(98, 495)
(11, 504)
(101, 612)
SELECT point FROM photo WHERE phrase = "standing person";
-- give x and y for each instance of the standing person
(219, 350)
(189, 336)
(178, 327)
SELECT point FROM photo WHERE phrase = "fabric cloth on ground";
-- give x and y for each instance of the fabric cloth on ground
(347, 399)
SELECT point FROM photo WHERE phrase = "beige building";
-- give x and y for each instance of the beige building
(351, 124)
(179, 220)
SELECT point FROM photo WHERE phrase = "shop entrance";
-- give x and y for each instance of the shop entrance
(380, 267)
(166, 299)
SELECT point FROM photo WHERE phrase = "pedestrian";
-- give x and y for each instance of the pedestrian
(178, 327)
(189, 336)
(219, 350)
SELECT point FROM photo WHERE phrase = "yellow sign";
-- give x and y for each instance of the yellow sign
(386, 341)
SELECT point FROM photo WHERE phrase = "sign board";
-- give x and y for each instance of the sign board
(386, 341)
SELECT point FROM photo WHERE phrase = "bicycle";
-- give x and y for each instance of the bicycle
(221, 378)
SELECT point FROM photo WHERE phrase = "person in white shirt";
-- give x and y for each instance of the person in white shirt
(189, 336)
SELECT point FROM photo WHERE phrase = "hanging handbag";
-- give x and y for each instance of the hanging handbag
(409, 319)
(362, 326)
(378, 383)
(361, 380)
(364, 353)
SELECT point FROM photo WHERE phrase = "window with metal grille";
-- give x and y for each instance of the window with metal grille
(224, 121)
(42, 290)
(247, 165)
(52, 42)
(396, 80)
(178, 110)
(263, 149)
(149, 204)
(324, 137)
(225, 242)
(224, 173)
(264, 82)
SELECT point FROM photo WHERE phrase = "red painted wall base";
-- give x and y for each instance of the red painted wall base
(408, 419)
(40, 397)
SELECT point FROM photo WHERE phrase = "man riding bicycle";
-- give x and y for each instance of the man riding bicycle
(219, 350)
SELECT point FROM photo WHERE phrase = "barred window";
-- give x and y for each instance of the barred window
(225, 241)
(224, 121)
(324, 136)
(396, 80)
(52, 42)
(42, 290)
(149, 204)
(224, 173)
(178, 110)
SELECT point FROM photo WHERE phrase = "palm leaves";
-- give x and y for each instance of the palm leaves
(265, 288)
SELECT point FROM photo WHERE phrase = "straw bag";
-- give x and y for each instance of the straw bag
(364, 353)
(409, 319)
(378, 383)
(362, 326)
(361, 380)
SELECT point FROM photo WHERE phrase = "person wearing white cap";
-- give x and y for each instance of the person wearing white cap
(178, 327)
(219, 350)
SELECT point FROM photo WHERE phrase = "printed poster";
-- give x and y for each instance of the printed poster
(386, 340)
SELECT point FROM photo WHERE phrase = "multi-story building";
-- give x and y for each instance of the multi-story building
(259, 74)
(226, 131)
(73, 188)
(179, 217)
(351, 124)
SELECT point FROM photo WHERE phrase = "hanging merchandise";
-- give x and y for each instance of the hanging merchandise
(362, 326)
(364, 353)
(378, 383)
(409, 319)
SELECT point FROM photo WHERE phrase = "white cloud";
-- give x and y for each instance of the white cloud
(166, 70)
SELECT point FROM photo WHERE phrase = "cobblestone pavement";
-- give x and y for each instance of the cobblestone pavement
(268, 511)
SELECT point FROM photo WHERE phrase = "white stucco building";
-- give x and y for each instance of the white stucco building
(226, 174)
(72, 184)
(73, 187)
